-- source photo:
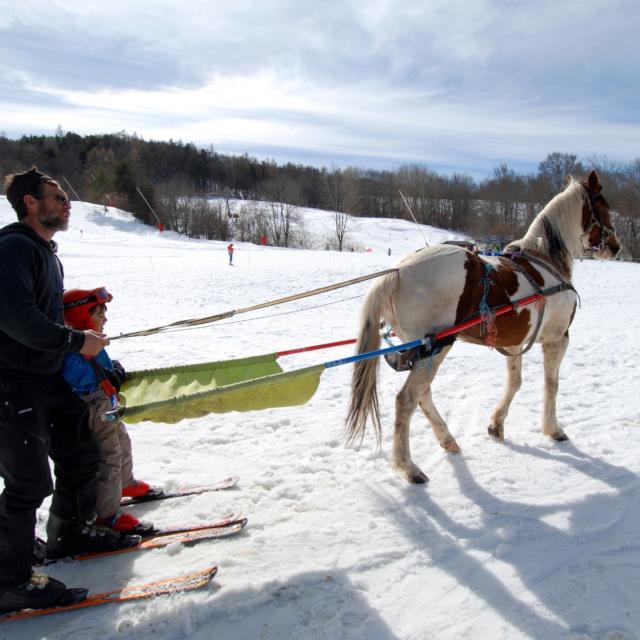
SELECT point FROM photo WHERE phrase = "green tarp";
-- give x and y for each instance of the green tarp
(192, 391)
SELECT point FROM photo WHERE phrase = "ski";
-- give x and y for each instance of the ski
(41, 545)
(164, 540)
(159, 494)
(171, 529)
(187, 582)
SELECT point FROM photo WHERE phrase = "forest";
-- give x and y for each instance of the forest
(189, 189)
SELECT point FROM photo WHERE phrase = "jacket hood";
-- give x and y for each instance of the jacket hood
(26, 230)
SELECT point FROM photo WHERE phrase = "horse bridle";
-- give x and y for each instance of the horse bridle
(606, 231)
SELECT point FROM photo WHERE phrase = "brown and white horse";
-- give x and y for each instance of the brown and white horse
(441, 286)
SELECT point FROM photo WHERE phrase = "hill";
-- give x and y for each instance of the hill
(526, 539)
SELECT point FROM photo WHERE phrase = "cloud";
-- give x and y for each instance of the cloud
(461, 87)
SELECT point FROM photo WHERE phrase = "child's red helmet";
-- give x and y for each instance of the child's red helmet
(77, 304)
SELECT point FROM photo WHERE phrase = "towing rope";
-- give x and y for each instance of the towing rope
(266, 316)
(191, 322)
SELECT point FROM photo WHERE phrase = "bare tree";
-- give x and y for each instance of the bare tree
(280, 219)
(625, 203)
(461, 190)
(556, 167)
(251, 224)
(336, 189)
(342, 222)
(280, 216)
(186, 212)
(633, 176)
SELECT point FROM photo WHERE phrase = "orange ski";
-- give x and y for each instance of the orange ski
(164, 540)
(187, 582)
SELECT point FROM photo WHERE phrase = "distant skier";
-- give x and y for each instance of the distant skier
(230, 251)
(389, 251)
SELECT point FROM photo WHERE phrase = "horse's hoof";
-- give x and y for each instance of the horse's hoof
(451, 446)
(413, 474)
(496, 432)
(559, 437)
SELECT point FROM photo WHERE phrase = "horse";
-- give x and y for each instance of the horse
(440, 286)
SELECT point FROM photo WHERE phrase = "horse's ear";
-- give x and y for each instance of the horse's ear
(593, 182)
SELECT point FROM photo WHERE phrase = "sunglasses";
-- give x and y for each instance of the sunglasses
(63, 200)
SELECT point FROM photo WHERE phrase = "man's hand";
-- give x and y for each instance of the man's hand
(94, 342)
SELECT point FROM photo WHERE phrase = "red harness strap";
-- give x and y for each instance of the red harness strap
(101, 376)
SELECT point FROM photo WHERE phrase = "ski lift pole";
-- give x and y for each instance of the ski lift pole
(148, 205)
(414, 218)
(71, 188)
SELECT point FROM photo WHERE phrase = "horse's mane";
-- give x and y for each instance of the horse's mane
(555, 231)
(557, 247)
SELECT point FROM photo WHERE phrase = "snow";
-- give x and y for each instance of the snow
(526, 539)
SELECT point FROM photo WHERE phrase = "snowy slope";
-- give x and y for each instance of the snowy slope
(527, 539)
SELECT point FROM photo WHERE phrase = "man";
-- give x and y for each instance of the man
(40, 416)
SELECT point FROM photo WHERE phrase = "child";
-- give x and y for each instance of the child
(230, 252)
(97, 381)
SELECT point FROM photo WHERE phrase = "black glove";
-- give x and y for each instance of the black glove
(117, 376)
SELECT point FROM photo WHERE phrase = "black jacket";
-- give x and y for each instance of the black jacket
(33, 338)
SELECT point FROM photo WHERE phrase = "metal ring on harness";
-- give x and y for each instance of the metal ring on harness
(407, 360)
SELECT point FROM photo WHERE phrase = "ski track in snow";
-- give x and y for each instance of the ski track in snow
(526, 539)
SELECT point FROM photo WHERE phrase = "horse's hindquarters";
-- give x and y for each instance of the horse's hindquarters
(430, 284)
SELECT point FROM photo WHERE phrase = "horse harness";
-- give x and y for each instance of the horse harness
(606, 231)
(512, 258)
(406, 360)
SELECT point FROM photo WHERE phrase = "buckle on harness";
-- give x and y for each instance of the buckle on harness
(114, 414)
(406, 359)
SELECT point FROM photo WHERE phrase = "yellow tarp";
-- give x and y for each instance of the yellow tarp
(192, 391)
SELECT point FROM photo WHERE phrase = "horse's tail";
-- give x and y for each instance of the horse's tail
(364, 393)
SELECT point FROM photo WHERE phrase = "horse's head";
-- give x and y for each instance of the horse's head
(598, 235)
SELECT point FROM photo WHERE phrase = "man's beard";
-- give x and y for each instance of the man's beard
(55, 221)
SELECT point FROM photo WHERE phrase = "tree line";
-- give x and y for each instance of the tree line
(172, 182)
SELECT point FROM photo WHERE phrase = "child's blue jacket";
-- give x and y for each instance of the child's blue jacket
(77, 371)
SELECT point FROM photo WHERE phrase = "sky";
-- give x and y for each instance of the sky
(456, 86)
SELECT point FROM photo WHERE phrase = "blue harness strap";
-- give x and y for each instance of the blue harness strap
(409, 358)
(487, 313)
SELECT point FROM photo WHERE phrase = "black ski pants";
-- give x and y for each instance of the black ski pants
(40, 419)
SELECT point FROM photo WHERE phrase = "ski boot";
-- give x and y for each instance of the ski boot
(39, 592)
(141, 490)
(128, 524)
(69, 537)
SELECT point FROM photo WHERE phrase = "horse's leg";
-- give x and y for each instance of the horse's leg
(417, 384)
(439, 426)
(514, 381)
(553, 354)
(406, 403)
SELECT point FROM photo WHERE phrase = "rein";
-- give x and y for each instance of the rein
(530, 257)
(605, 230)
